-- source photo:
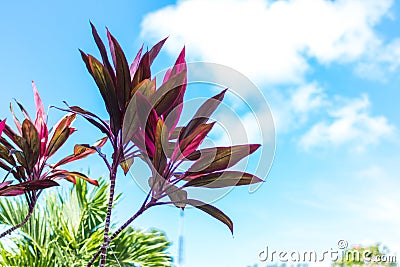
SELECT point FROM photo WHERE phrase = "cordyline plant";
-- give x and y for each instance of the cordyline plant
(142, 123)
(25, 155)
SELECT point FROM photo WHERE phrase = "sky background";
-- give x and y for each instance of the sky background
(329, 70)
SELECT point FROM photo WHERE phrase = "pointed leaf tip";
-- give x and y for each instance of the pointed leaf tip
(211, 210)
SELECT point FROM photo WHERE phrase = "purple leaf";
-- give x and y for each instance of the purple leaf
(211, 210)
(189, 144)
(179, 66)
(203, 113)
(133, 67)
(61, 133)
(223, 179)
(102, 49)
(31, 137)
(143, 71)
(156, 49)
(82, 151)
(148, 122)
(161, 141)
(123, 78)
(219, 158)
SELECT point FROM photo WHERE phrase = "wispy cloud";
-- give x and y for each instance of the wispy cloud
(384, 59)
(293, 107)
(349, 123)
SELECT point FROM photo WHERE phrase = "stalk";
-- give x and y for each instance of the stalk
(106, 241)
(24, 221)
(121, 228)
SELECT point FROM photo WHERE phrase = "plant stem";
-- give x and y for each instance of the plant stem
(122, 227)
(106, 241)
(24, 221)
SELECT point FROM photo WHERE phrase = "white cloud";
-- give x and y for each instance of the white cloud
(270, 41)
(383, 59)
(350, 124)
(292, 108)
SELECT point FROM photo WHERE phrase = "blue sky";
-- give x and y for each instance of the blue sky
(328, 69)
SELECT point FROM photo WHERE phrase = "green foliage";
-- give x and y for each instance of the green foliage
(366, 256)
(66, 229)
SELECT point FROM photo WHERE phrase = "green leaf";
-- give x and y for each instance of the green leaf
(223, 179)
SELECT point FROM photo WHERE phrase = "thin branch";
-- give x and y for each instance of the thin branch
(24, 221)
(143, 208)
(113, 176)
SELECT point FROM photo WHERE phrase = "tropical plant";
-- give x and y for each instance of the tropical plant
(25, 155)
(143, 123)
(73, 231)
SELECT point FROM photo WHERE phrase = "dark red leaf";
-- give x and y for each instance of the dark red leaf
(21, 188)
(189, 144)
(223, 179)
(211, 210)
(203, 113)
(130, 123)
(71, 176)
(148, 118)
(107, 90)
(6, 155)
(161, 141)
(102, 49)
(219, 158)
(133, 67)
(143, 71)
(156, 49)
(61, 133)
(31, 136)
(179, 66)
(82, 151)
(90, 117)
(123, 78)
(170, 94)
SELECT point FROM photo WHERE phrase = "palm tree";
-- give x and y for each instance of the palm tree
(66, 229)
